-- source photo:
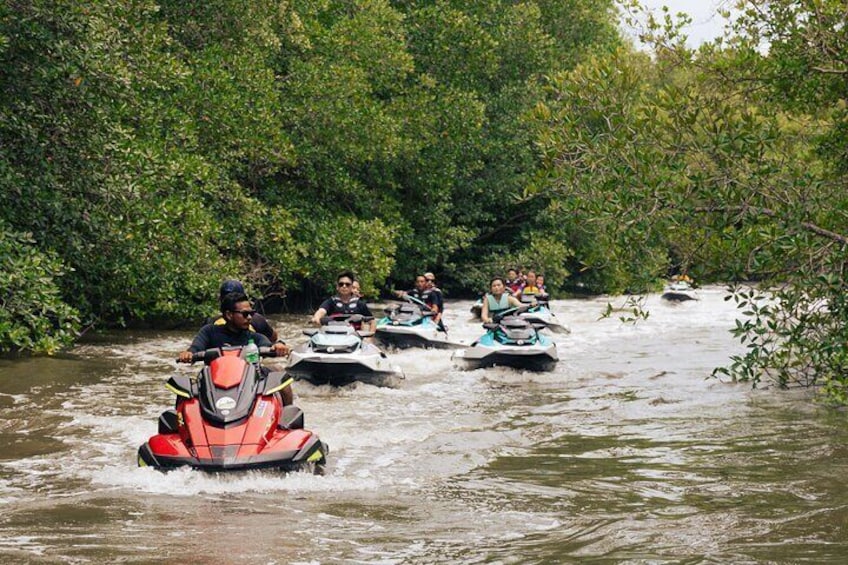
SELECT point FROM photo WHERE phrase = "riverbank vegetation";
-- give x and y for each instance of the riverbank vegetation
(151, 149)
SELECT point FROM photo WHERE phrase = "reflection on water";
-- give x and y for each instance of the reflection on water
(627, 452)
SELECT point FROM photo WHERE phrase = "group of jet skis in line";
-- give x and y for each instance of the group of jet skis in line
(237, 414)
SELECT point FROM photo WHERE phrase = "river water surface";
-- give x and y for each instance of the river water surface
(627, 452)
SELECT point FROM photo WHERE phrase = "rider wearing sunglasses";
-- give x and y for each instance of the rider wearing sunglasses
(344, 302)
(258, 322)
(236, 330)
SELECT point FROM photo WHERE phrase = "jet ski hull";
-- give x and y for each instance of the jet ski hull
(337, 355)
(510, 342)
(678, 296)
(320, 373)
(679, 291)
(167, 452)
(343, 369)
(530, 358)
(404, 337)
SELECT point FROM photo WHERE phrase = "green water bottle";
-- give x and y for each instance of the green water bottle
(251, 352)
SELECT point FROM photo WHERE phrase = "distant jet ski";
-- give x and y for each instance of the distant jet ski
(477, 308)
(411, 325)
(679, 290)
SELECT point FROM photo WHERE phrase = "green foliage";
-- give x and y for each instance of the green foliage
(795, 335)
(154, 148)
(711, 161)
(346, 243)
(33, 316)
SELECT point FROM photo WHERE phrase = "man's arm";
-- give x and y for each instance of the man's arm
(439, 303)
(199, 343)
(261, 340)
(261, 324)
(364, 310)
(319, 313)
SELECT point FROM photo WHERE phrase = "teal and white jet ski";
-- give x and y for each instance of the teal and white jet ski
(510, 341)
(411, 324)
(541, 314)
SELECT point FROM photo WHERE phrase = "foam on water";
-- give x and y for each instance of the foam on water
(627, 450)
(438, 423)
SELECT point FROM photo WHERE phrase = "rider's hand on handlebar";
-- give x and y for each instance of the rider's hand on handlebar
(281, 349)
(185, 357)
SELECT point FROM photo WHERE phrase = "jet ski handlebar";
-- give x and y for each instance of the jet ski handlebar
(512, 311)
(209, 355)
(349, 318)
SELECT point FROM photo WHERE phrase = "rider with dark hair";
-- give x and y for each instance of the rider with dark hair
(513, 281)
(236, 312)
(497, 300)
(344, 302)
(258, 322)
(426, 292)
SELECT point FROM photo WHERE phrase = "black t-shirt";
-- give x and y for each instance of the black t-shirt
(430, 297)
(335, 306)
(213, 335)
(438, 299)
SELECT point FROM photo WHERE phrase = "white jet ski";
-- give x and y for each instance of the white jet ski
(337, 354)
(679, 291)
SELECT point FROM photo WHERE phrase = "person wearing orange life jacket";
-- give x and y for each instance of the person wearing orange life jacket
(530, 288)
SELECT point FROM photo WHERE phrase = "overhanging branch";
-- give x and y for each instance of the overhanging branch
(808, 226)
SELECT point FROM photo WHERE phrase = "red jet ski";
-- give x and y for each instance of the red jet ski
(231, 417)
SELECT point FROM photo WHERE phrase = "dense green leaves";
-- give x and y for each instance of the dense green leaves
(33, 315)
(150, 149)
(711, 162)
(154, 148)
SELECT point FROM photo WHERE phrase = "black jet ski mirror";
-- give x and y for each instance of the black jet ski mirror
(291, 418)
(276, 381)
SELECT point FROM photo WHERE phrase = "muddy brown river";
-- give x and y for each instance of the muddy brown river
(627, 453)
